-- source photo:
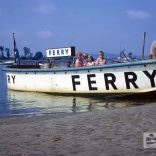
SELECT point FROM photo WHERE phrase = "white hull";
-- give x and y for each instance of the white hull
(134, 77)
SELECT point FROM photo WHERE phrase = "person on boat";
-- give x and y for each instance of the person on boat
(79, 60)
(90, 61)
(153, 50)
(85, 58)
(100, 60)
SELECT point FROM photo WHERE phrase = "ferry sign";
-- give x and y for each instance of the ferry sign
(60, 52)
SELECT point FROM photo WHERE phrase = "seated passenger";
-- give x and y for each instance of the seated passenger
(90, 61)
(79, 60)
(85, 58)
(100, 60)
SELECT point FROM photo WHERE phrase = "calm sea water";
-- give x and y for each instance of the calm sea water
(29, 103)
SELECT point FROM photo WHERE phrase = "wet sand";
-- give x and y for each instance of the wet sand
(116, 132)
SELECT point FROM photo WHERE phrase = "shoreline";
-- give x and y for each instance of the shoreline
(107, 132)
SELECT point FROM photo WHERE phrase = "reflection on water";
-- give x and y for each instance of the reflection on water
(40, 103)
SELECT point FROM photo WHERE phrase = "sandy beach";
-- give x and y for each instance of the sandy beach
(116, 132)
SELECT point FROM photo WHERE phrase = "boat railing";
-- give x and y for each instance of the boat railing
(23, 66)
(44, 63)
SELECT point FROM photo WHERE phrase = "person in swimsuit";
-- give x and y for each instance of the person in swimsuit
(100, 60)
(90, 61)
(79, 60)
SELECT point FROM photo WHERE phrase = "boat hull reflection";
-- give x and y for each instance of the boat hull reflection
(31, 103)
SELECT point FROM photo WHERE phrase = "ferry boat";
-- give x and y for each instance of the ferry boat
(119, 78)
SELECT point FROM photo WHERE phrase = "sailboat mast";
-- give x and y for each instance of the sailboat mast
(14, 44)
(143, 46)
(16, 53)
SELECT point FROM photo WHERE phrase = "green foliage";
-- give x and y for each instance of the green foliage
(7, 52)
(38, 55)
(26, 52)
(2, 52)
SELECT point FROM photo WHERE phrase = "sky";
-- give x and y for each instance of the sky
(90, 25)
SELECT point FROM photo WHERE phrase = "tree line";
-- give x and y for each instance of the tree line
(5, 53)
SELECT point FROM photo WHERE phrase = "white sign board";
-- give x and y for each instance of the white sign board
(60, 52)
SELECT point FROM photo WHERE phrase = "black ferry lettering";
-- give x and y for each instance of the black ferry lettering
(53, 52)
(62, 52)
(49, 52)
(90, 82)
(130, 80)
(151, 77)
(75, 82)
(66, 51)
(110, 81)
(13, 78)
(58, 52)
(8, 77)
